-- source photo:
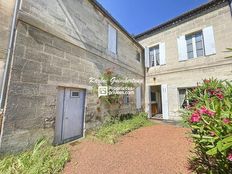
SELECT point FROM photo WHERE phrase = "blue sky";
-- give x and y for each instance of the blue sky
(137, 16)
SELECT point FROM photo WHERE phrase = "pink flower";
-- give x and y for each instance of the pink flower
(203, 110)
(212, 134)
(217, 92)
(229, 157)
(206, 111)
(195, 117)
(226, 120)
(210, 113)
(220, 96)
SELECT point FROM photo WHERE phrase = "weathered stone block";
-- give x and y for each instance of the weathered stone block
(37, 56)
(64, 63)
(62, 45)
(19, 63)
(28, 42)
(34, 77)
(54, 51)
(19, 51)
(50, 69)
(22, 28)
(39, 36)
(62, 79)
(73, 59)
(31, 66)
(16, 75)
(25, 89)
(77, 51)
(47, 90)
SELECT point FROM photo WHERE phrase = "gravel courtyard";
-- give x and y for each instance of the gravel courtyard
(158, 149)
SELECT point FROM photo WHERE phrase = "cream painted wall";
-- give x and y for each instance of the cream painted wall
(187, 73)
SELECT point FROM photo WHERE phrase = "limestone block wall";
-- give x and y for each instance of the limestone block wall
(47, 57)
(187, 73)
(82, 21)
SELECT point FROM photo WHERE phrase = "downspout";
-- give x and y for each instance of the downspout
(9, 55)
(230, 4)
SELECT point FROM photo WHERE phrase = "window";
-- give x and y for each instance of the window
(153, 96)
(74, 94)
(198, 44)
(183, 97)
(195, 45)
(154, 56)
(112, 40)
(138, 57)
(126, 99)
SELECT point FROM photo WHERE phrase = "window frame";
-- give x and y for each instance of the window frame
(186, 93)
(153, 63)
(194, 51)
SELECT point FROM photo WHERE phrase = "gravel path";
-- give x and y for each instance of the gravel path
(159, 149)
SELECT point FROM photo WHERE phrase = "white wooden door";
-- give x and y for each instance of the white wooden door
(73, 114)
(164, 94)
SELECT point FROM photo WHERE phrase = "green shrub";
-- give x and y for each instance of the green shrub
(111, 131)
(210, 116)
(43, 159)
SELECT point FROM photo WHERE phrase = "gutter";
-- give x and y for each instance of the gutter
(9, 55)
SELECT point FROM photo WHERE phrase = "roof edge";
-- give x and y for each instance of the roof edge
(112, 19)
(181, 17)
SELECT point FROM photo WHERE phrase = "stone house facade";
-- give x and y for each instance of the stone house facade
(58, 46)
(185, 51)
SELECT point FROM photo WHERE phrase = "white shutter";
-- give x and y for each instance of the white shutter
(148, 101)
(164, 93)
(182, 48)
(138, 98)
(112, 39)
(147, 57)
(162, 54)
(209, 41)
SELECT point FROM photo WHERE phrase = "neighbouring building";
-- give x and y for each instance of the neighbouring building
(184, 51)
(50, 49)
(57, 45)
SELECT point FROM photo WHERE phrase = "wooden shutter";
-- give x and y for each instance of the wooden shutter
(164, 93)
(209, 41)
(147, 57)
(182, 48)
(138, 98)
(162, 54)
(112, 39)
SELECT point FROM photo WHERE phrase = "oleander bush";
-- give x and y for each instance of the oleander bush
(209, 116)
